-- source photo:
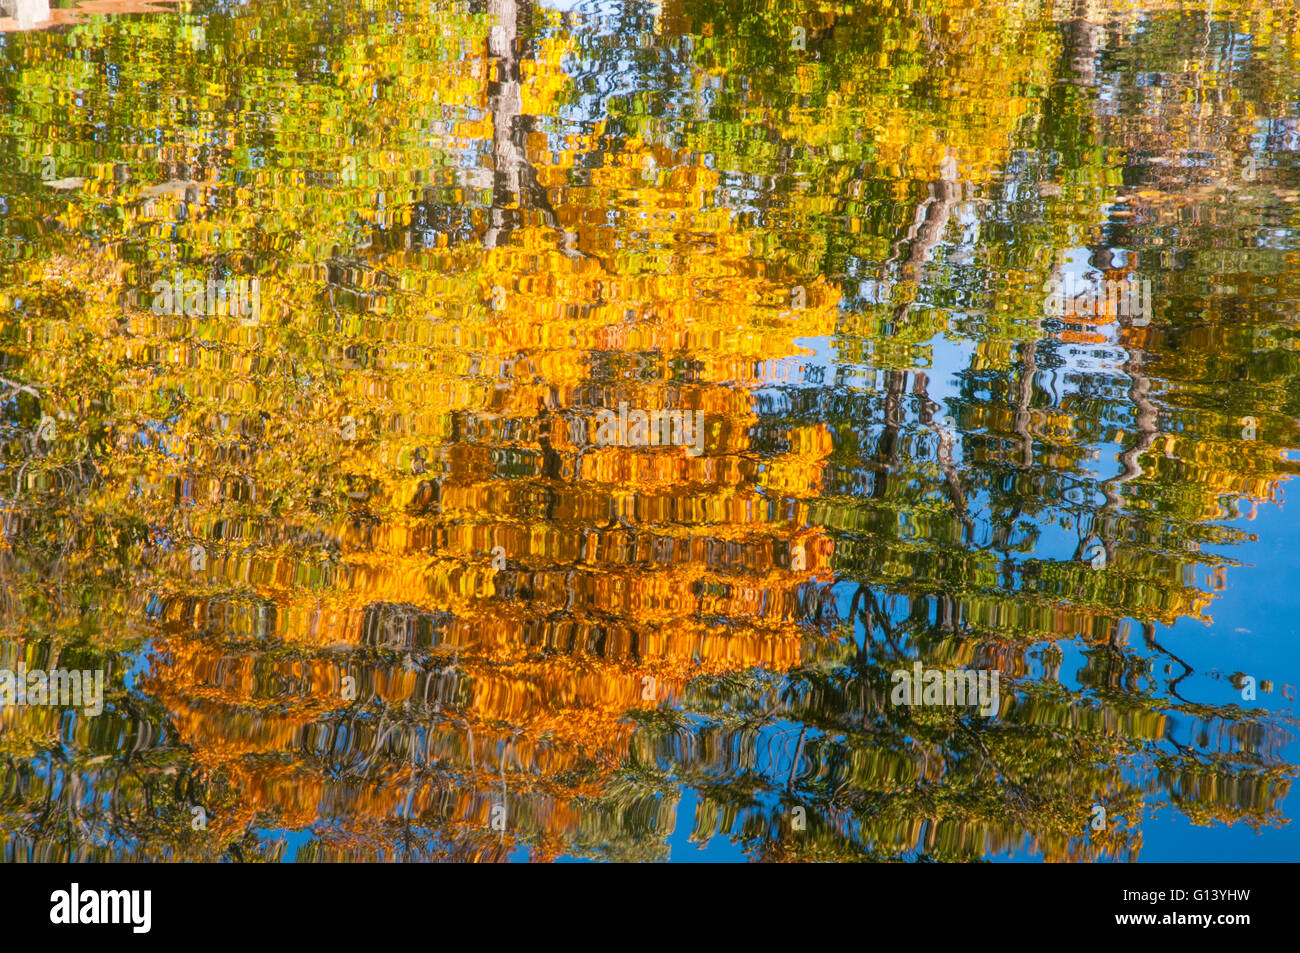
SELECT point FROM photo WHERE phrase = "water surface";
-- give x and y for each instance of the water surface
(368, 580)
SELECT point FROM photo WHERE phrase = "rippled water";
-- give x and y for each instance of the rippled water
(377, 567)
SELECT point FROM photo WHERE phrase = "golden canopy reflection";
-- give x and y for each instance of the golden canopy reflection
(368, 586)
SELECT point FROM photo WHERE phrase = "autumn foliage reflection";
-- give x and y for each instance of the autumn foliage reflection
(360, 569)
